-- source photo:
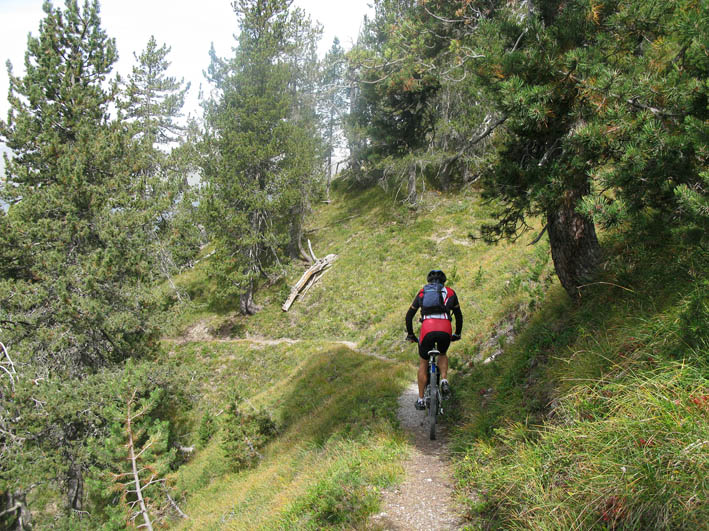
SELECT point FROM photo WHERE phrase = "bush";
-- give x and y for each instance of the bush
(207, 428)
(694, 320)
(244, 434)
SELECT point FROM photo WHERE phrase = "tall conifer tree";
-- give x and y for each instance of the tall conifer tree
(152, 102)
(333, 101)
(74, 285)
(260, 151)
(75, 274)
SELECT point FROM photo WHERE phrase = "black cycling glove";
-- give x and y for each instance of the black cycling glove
(455, 337)
(412, 338)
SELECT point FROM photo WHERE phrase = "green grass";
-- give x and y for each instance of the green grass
(337, 442)
(384, 252)
(598, 416)
(594, 416)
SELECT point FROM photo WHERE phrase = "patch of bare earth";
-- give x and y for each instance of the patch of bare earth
(425, 500)
(201, 332)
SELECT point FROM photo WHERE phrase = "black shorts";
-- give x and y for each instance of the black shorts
(440, 340)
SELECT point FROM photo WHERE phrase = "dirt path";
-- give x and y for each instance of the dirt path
(200, 332)
(424, 501)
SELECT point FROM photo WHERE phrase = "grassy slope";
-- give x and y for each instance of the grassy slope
(594, 417)
(384, 252)
(598, 416)
(338, 441)
(335, 436)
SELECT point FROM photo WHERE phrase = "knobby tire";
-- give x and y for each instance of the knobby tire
(433, 409)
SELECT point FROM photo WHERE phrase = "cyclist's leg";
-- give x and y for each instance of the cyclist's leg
(443, 366)
(422, 376)
(425, 344)
(443, 341)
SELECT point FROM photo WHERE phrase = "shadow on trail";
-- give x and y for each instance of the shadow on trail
(340, 392)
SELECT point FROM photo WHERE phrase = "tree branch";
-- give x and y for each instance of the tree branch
(536, 240)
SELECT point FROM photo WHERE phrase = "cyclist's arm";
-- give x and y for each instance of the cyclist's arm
(458, 319)
(455, 308)
(410, 316)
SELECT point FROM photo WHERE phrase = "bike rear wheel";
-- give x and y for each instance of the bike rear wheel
(433, 407)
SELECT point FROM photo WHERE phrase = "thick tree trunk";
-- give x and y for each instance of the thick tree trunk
(247, 304)
(295, 246)
(574, 245)
(301, 250)
(75, 487)
(14, 514)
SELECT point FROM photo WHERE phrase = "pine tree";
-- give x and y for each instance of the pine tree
(601, 106)
(154, 100)
(392, 116)
(134, 460)
(74, 268)
(74, 281)
(333, 102)
(152, 103)
(260, 151)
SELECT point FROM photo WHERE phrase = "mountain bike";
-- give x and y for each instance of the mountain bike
(432, 394)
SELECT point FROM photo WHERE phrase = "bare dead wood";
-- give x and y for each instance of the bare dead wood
(312, 254)
(134, 463)
(318, 267)
(11, 509)
(203, 258)
(175, 506)
(10, 369)
(315, 280)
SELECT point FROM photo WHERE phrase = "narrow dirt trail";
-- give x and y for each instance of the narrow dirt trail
(424, 501)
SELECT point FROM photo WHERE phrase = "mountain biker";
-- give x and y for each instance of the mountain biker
(436, 329)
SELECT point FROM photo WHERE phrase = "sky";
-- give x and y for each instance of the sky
(188, 26)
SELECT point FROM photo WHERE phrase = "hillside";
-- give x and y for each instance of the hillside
(602, 402)
(150, 377)
(335, 406)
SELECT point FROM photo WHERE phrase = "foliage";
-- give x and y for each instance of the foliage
(163, 156)
(559, 106)
(391, 112)
(333, 102)
(694, 319)
(73, 284)
(594, 417)
(136, 455)
(153, 100)
(77, 266)
(207, 428)
(70, 436)
(244, 433)
(259, 148)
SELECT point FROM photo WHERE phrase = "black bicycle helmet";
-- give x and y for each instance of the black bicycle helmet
(436, 275)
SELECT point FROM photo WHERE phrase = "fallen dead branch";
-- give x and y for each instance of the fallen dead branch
(310, 277)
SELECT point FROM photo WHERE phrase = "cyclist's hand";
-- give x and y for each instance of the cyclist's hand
(455, 337)
(412, 338)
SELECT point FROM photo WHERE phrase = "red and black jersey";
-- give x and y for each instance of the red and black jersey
(437, 322)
